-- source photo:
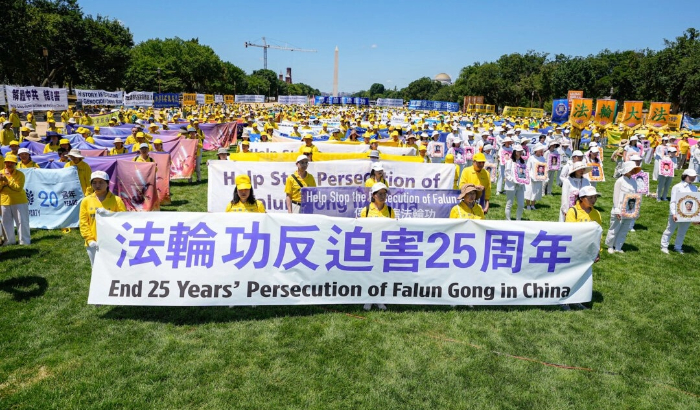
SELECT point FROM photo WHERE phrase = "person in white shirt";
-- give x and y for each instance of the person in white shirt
(572, 182)
(694, 162)
(515, 189)
(683, 187)
(534, 190)
(632, 148)
(659, 153)
(505, 147)
(576, 156)
(487, 150)
(552, 175)
(665, 181)
(619, 226)
(564, 158)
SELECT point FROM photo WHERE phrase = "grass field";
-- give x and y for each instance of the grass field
(638, 347)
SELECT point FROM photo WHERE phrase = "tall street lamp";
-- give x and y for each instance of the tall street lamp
(158, 80)
(45, 52)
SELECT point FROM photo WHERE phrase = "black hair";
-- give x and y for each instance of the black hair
(237, 199)
(520, 158)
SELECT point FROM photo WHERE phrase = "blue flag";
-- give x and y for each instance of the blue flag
(691, 123)
(54, 197)
(560, 111)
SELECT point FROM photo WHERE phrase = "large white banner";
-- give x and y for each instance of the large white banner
(218, 99)
(199, 259)
(250, 98)
(201, 99)
(139, 99)
(327, 147)
(100, 97)
(293, 99)
(269, 178)
(389, 102)
(36, 98)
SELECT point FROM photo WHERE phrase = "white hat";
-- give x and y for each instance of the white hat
(302, 157)
(577, 153)
(488, 147)
(143, 145)
(469, 134)
(588, 191)
(593, 144)
(75, 153)
(71, 120)
(374, 154)
(510, 132)
(525, 140)
(100, 175)
(689, 173)
(485, 134)
(553, 142)
(23, 151)
(672, 149)
(538, 147)
(222, 150)
(435, 133)
(629, 166)
(635, 157)
(595, 149)
(507, 139)
(580, 165)
(664, 138)
(118, 140)
(517, 147)
(634, 138)
(550, 132)
(566, 131)
(377, 167)
(378, 187)
(425, 135)
(597, 134)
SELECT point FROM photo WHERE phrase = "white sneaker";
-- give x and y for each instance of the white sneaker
(680, 252)
(611, 251)
(381, 306)
(367, 306)
(664, 250)
(619, 251)
(632, 230)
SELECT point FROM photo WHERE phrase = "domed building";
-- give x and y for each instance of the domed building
(443, 79)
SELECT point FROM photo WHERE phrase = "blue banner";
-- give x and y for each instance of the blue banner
(54, 197)
(350, 202)
(319, 100)
(166, 100)
(560, 111)
(433, 105)
(691, 123)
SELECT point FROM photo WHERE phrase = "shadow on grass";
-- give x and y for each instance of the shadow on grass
(640, 227)
(186, 182)
(21, 251)
(179, 202)
(541, 205)
(46, 238)
(630, 248)
(689, 249)
(24, 287)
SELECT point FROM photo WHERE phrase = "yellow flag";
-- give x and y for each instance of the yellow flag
(581, 110)
(605, 111)
(658, 114)
(189, 99)
(632, 114)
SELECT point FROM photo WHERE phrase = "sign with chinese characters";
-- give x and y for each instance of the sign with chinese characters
(659, 113)
(433, 105)
(228, 99)
(166, 100)
(293, 99)
(218, 99)
(54, 197)
(350, 202)
(605, 112)
(269, 178)
(390, 102)
(632, 114)
(208, 98)
(189, 99)
(522, 112)
(250, 98)
(581, 110)
(200, 259)
(99, 97)
(573, 94)
(200, 99)
(36, 98)
(138, 99)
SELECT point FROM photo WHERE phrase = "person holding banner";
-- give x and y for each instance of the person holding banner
(376, 175)
(619, 226)
(118, 147)
(308, 143)
(244, 198)
(84, 171)
(158, 145)
(515, 187)
(85, 133)
(377, 208)
(684, 187)
(25, 159)
(477, 175)
(468, 208)
(14, 202)
(100, 198)
(143, 154)
(295, 182)
(53, 144)
(665, 181)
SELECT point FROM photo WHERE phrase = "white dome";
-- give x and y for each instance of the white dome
(443, 78)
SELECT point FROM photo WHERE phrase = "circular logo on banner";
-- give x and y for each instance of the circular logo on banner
(561, 109)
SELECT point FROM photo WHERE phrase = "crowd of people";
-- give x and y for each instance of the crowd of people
(523, 159)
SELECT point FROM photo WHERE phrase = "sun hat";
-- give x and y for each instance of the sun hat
(158, 141)
(577, 153)
(10, 157)
(467, 188)
(100, 175)
(630, 166)
(595, 149)
(308, 137)
(75, 153)
(14, 142)
(689, 173)
(63, 141)
(489, 146)
(518, 147)
(243, 181)
(588, 191)
(378, 187)
(118, 140)
(578, 165)
(143, 145)
(23, 151)
(374, 154)
(302, 157)
(222, 150)
(635, 157)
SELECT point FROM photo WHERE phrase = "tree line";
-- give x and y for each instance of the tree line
(46, 42)
(671, 74)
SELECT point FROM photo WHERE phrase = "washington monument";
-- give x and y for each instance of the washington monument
(335, 74)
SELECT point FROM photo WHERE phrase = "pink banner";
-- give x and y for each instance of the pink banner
(135, 183)
(218, 135)
(183, 156)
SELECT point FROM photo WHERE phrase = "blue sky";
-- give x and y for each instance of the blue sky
(394, 43)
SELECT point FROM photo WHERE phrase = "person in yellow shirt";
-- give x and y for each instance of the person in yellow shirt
(335, 135)
(31, 119)
(25, 159)
(84, 171)
(308, 142)
(53, 144)
(14, 147)
(377, 207)
(49, 116)
(299, 179)
(13, 202)
(143, 154)
(15, 120)
(450, 159)
(683, 147)
(477, 175)
(7, 134)
(96, 130)
(119, 147)
(140, 139)
(158, 145)
(101, 198)
(85, 133)
(468, 208)
(23, 133)
(309, 153)
(85, 119)
(244, 198)
(411, 143)
(584, 210)
(376, 175)
(295, 131)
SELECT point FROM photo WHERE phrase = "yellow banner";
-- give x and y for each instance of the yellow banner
(208, 98)
(292, 156)
(674, 121)
(605, 111)
(632, 114)
(189, 99)
(522, 112)
(581, 111)
(658, 114)
(228, 99)
(102, 120)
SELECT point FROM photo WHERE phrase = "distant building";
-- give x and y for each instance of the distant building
(443, 79)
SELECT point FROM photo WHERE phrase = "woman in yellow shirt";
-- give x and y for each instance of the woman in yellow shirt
(53, 144)
(14, 203)
(25, 159)
(100, 198)
(118, 147)
(376, 175)
(378, 208)
(84, 170)
(244, 198)
(468, 208)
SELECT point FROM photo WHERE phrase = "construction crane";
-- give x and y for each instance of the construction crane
(265, 46)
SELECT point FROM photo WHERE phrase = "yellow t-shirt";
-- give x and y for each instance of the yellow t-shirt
(314, 150)
(115, 151)
(578, 214)
(12, 191)
(470, 176)
(88, 206)
(292, 188)
(373, 212)
(683, 147)
(51, 148)
(246, 207)
(462, 211)
(31, 164)
(84, 173)
(370, 182)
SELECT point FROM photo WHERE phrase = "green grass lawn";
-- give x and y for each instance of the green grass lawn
(638, 347)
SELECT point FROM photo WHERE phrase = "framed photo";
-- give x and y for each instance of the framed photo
(554, 161)
(596, 174)
(468, 153)
(688, 207)
(642, 179)
(573, 197)
(666, 168)
(646, 144)
(521, 174)
(630, 206)
(540, 171)
(491, 167)
(459, 156)
(436, 149)
(504, 155)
